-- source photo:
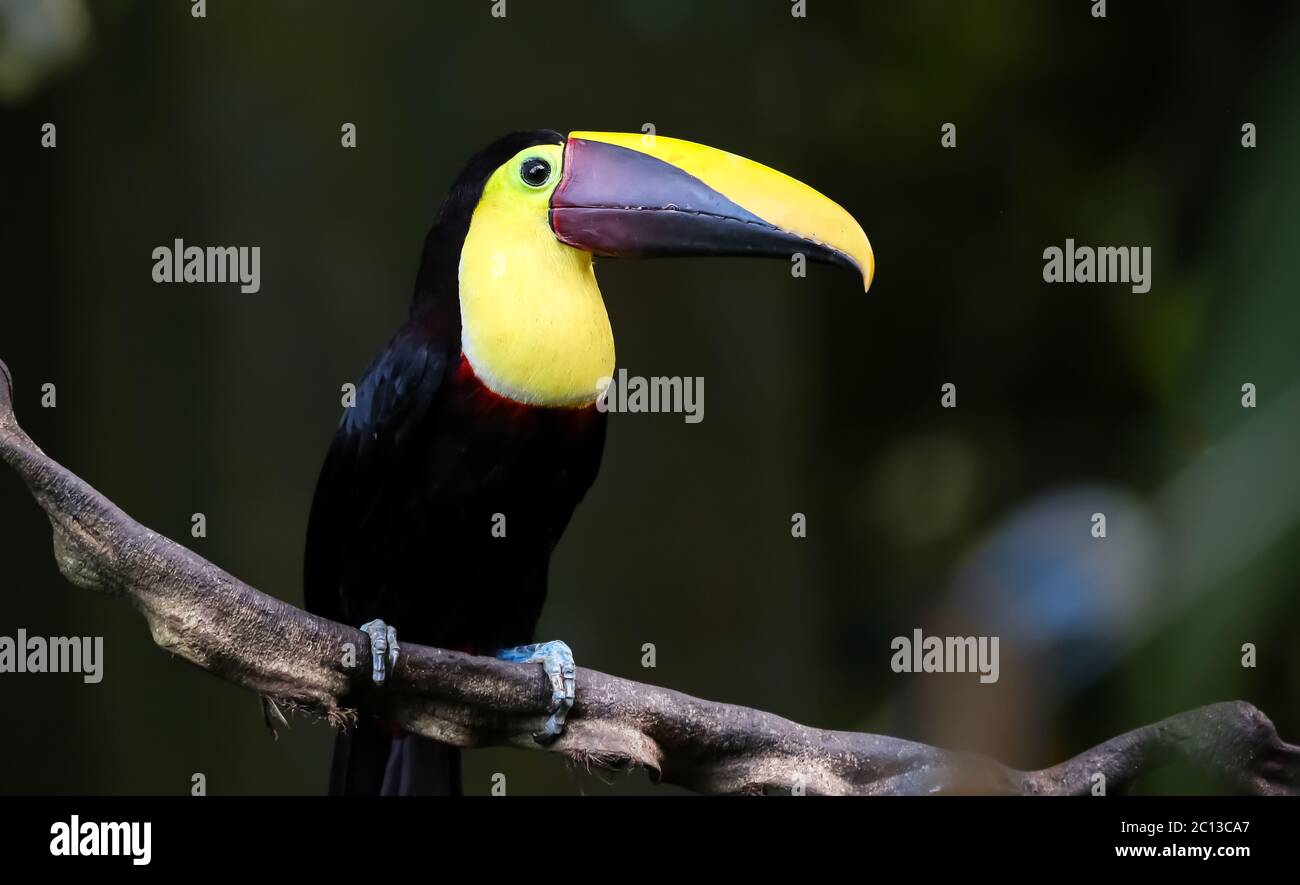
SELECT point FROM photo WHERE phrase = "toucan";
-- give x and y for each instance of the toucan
(477, 430)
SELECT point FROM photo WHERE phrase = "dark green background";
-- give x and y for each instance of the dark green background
(1122, 131)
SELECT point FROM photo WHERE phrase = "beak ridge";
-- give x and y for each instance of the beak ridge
(642, 196)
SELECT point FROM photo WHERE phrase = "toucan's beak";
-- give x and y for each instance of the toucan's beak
(642, 196)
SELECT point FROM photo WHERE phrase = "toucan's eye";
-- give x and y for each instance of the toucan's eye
(535, 172)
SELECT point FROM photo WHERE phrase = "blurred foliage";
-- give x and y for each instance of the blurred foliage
(1123, 131)
(38, 38)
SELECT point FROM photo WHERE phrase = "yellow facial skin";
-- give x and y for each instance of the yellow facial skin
(771, 195)
(533, 323)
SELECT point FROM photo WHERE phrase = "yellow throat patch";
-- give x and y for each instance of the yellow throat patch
(533, 323)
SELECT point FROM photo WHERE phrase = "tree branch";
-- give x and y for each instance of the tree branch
(215, 621)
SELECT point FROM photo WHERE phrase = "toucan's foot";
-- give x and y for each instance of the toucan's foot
(557, 660)
(383, 649)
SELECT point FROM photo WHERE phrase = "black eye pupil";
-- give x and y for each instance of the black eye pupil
(535, 171)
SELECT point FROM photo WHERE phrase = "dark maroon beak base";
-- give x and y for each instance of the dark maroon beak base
(619, 202)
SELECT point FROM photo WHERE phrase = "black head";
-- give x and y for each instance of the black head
(442, 246)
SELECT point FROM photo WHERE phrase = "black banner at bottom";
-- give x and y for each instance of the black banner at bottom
(300, 835)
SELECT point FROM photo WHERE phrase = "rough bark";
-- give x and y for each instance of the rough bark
(217, 622)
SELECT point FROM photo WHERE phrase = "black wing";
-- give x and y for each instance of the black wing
(368, 470)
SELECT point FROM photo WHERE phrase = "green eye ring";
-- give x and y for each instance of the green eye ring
(535, 172)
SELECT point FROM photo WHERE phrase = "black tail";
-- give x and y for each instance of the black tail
(371, 762)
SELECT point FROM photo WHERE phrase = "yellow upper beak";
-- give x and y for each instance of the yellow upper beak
(773, 197)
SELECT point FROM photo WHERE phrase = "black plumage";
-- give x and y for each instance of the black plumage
(401, 523)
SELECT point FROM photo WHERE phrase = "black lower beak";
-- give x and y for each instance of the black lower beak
(620, 202)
